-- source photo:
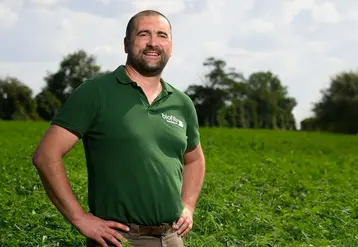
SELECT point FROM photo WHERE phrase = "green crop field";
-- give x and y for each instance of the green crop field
(262, 188)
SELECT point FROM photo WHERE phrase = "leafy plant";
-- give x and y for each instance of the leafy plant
(262, 188)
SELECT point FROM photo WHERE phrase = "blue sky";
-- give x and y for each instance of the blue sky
(304, 42)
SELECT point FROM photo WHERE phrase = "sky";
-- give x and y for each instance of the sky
(303, 42)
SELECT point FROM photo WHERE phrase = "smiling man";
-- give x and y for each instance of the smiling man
(142, 146)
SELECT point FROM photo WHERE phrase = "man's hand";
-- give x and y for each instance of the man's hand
(101, 230)
(185, 222)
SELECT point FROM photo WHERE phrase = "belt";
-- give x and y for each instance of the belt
(139, 230)
(150, 230)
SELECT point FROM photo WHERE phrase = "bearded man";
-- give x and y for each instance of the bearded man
(142, 147)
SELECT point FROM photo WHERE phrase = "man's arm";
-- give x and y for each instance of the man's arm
(193, 178)
(47, 159)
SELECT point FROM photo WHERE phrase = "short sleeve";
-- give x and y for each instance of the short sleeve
(79, 111)
(192, 130)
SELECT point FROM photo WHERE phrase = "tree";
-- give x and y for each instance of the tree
(309, 124)
(207, 102)
(47, 104)
(259, 102)
(228, 99)
(337, 109)
(273, 106)
(16, 102)
(74, 69)
(210, 97)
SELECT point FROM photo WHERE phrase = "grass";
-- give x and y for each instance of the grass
(262, 188)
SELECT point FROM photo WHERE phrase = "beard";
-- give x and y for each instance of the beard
(145, 66)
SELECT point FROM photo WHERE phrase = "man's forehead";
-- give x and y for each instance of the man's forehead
(152, 21)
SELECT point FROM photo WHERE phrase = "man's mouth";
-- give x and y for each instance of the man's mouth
(152, 53)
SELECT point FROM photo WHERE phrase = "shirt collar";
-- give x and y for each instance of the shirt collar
(123, 78)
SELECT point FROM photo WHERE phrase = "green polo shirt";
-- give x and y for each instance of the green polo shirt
(134, 150)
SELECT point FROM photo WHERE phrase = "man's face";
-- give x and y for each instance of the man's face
(150, 44)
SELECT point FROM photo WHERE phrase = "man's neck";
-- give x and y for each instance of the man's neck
(150, 83)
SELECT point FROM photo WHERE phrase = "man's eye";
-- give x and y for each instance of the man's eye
(142, 34)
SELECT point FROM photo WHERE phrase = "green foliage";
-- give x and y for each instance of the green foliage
(262, 188)
(74, 69)
(16, 102)
(210, 98)
(47, 104)
(337, 110)
(221, 117)
(257, 102)
(272, 103)
(309, 124)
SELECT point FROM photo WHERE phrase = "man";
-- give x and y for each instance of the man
(141, 138)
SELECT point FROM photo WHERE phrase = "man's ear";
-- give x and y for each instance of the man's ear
(126, 44)
(171, 52)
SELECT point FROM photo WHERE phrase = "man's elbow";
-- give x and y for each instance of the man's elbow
(42, 158)
(38, 158)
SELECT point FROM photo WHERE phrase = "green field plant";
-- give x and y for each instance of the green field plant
(262, 188)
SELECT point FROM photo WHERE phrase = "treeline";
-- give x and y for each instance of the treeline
(17, 102)
(225, 98)
(229, 99)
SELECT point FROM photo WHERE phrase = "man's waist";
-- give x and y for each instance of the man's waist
(135, 231)
(153, 230)
(129, 212)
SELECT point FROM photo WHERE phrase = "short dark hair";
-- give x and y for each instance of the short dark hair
(130, 24)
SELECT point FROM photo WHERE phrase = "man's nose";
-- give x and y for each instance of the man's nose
(152, 41)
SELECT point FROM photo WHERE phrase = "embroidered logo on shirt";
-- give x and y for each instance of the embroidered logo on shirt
(173, 120)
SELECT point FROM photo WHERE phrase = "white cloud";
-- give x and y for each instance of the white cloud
(304, 42)
(13, 4)
(7, 17)
(9, 13)
(167, 7)
(351, 15)
(44, 2)
(326, 13)
(105, 2)
(291, 8)
(258, 26)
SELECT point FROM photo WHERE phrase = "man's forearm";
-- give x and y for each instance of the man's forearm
(193, 178)
(58, 189)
